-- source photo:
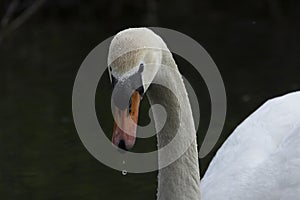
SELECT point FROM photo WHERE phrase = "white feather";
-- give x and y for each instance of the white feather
(261, 159)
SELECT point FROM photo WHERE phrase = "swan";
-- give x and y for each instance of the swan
(261, 158)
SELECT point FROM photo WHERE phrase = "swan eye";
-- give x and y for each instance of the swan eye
(141, 69)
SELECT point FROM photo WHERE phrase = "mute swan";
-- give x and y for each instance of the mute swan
(260, 160)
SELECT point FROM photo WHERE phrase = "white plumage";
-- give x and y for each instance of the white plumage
(261, 159)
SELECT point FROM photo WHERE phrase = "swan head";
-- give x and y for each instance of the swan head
(133, 60)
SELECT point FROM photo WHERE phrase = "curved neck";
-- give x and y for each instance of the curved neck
(181, 179)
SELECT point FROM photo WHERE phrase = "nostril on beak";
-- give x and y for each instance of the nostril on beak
(122, 145)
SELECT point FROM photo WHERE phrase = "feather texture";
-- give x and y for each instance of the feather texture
(261, 158)
(259, 161)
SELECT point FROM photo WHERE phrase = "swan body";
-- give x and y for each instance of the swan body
(260, 160)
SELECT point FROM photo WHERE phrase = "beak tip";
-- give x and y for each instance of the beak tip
(123, 144)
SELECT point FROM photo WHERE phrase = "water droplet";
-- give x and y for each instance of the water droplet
(124, 172)
(123, 162)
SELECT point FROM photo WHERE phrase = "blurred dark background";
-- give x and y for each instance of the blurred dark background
(255, 44)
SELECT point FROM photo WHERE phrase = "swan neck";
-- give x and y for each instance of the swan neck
(180, 179)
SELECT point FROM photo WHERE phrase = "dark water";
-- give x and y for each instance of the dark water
(41, 155)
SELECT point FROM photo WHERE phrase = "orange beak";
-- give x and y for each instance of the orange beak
(124, 132)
